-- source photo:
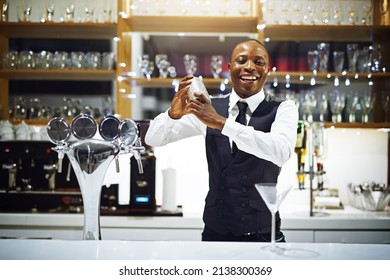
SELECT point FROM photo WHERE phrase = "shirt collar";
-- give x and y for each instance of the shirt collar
(253, 101)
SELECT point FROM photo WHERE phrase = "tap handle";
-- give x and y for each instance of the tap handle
(117, 164)
(137, 157)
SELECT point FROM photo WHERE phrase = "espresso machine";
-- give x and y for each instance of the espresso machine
(29, 180)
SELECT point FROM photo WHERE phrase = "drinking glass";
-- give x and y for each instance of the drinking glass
(367, 10)
(337, 12)
(353, 104)
(322, 105)
(4, 11)
(162, 64)
(11, 60)
(35, 109)
(108, 60)
(376, 54)
(61, 60)
(50, 6)
(351, 11)
(69, 11)
(338, 61)
(216, 65)
(325, 12)
(386, 104)
(93, 60)
(309, 16)
(364, 60)
(367, 103)
(190, 64)
(78, 60)
(273, 195)
(308, 103)
(352, 53)
(312, 60)
(24, 11)
(337, 104)
(20, 108)
(26, 60)
(88, 14)
(323, 56)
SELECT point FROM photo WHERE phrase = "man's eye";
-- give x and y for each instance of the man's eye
(260, 62)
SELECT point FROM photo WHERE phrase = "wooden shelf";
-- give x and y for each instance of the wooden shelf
(58, 30)
(59, 75)
(295, 78)
(371, 125)
(334, 33)
(169, 82)
(326, 77)
(202, 24)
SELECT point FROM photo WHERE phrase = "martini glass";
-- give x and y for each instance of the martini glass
(273, 196)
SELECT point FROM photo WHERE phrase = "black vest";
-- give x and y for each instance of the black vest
(233, 203)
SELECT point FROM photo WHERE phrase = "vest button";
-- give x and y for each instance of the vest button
(220, 215)
(223, 174)
(243, 219)
(243, 189)
(244, 177)
(243, 205)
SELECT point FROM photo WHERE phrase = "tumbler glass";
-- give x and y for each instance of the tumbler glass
(323, 56)
(338, 61)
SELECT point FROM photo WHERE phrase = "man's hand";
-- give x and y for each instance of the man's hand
(180, 99)
(205, 112)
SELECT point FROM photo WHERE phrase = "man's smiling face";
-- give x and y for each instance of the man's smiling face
(248, 68)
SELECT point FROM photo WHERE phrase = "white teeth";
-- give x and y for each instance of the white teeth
(251, 78)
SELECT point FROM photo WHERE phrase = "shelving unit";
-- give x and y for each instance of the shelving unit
(128, 23)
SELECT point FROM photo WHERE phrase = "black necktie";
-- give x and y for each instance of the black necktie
(241, 118)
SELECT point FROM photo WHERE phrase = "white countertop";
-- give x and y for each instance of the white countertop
(347, 219)
(184, 250)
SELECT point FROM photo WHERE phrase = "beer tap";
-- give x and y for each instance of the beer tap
(90, 158)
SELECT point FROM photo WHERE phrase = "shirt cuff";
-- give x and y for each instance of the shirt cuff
(231, 129)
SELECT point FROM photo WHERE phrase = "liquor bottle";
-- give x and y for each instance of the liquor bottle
(300, 150)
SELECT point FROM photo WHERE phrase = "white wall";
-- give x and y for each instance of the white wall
(354, 155)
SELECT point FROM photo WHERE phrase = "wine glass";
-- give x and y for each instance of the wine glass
(273, 195)
(337, 103)
(216, 65)
(352, 53)
(353, 104)
(4, 11)
(386, 104)
(367, 9)
(322, 105)
(367, 102)
(190, 63)
(309, 102)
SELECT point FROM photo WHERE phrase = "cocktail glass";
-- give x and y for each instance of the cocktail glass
(273, 195)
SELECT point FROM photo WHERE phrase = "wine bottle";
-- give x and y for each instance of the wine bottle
(300, 150)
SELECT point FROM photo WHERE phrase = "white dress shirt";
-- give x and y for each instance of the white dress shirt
(276, 146)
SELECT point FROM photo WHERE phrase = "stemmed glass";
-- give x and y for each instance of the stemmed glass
(147, 66)
(162, 64)
(337, 103)
(4, 11)
(352, 53)
(367, 9)
(273, 195)
(386, 104)
(367, 102)
(50, 10)
(216, 65)
(190, 63)
(309, 102)
(353, 105)
(322, 105)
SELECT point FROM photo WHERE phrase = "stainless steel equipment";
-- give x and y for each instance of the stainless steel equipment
(90, 158)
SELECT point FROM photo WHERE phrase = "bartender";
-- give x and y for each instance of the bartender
(249, 136)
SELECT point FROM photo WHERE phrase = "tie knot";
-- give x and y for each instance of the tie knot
(242, 106)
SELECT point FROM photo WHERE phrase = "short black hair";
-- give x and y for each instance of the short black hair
(249, 40)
